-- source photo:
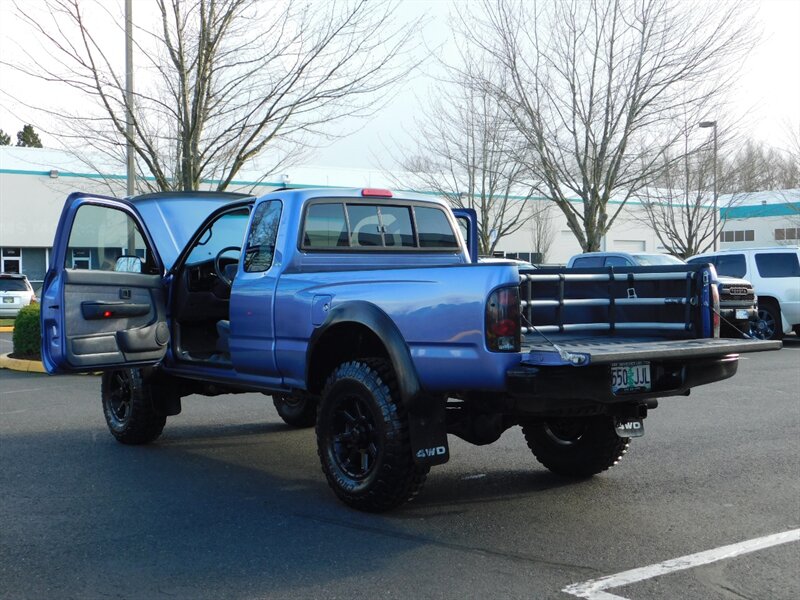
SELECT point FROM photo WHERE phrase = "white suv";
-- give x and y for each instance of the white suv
(775, 274)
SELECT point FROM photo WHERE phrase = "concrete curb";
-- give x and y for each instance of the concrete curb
(17, 364)
(7, 329)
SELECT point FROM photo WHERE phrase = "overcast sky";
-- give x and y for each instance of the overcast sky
(769, 86)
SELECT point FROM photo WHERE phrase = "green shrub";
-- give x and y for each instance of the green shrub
(28, 333)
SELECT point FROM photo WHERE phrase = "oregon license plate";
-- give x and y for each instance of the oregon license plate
(630, 377)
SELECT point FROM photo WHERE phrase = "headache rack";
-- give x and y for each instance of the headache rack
(660, 300)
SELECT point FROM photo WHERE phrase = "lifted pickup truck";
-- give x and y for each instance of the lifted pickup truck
(363, 313)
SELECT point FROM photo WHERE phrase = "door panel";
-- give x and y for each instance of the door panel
(467, 220)
(96, 317)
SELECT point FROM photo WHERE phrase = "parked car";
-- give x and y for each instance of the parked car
(737, 297)
(15, 292)
(365, 313)
(775, 273)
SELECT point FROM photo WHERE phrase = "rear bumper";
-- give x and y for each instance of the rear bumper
(533, 385)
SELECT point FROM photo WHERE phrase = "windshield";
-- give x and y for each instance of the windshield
(651, 260)
(227, 231)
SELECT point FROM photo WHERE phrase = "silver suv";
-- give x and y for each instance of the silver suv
(775, 273)
(15, 292)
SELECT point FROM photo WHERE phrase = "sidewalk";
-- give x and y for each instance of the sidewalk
(17, 364)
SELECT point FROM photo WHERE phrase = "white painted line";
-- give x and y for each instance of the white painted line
(594, 588)
(23, 391)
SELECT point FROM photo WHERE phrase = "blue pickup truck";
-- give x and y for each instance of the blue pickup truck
(366, 314)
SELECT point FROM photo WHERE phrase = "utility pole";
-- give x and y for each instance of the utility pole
(131, 179)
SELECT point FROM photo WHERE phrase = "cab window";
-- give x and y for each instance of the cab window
(434, 228)
(368, 226)
(260, 248)
(587, 262)
(107, 239)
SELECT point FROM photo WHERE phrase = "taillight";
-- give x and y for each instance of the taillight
(502, 320)
(715, 309)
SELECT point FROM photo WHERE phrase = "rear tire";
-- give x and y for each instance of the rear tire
(768, 325)
(576, 447)
(363, 440)
(297, 411)
(129, 407)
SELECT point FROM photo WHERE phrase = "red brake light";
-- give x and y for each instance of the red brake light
(715, 309)
(107, 313)
(376, 192)
(503, 320)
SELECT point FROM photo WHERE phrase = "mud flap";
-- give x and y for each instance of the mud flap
(428, 432)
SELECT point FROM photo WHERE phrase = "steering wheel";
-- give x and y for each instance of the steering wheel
(219, 270)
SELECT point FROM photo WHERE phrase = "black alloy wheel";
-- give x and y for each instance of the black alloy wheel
(297, 411)
(576, 447)
(768, 325)
(128, 406)
(363, 440)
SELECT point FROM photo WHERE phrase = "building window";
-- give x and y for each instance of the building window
(739, 235)
(789, 233)
(11, 260)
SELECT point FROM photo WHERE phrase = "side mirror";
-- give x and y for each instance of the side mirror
(128, 264)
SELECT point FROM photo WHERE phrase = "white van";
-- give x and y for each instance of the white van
(775, 275)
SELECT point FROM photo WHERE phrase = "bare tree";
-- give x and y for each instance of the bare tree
(594, 87)
(759, 167)
(222, 82)
(542, 231)
(466, 152)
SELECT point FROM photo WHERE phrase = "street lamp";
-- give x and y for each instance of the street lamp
(713, 124)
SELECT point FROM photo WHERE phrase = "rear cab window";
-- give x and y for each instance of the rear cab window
(353, 225)
(588, 262)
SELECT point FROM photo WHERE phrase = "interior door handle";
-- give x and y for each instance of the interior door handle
(93, 310)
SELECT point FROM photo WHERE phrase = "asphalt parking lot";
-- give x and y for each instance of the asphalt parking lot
(231, 503)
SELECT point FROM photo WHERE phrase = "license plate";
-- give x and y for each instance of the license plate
(8, 300)
(630, 377)
(741, 314)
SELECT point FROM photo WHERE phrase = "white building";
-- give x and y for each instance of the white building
(34, 183)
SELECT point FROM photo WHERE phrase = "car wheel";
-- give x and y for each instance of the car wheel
(129, 408)
(297, 411)
(363, 440)
(576, 447)
(768, 325)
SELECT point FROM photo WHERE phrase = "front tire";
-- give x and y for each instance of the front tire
(769, 325)
(576, 447)
(129, 408)
(297, 411)
(363, 440)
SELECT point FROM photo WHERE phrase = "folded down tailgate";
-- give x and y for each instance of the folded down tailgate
(584, 352)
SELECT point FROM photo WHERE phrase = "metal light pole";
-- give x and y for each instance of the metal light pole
(713, 124)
